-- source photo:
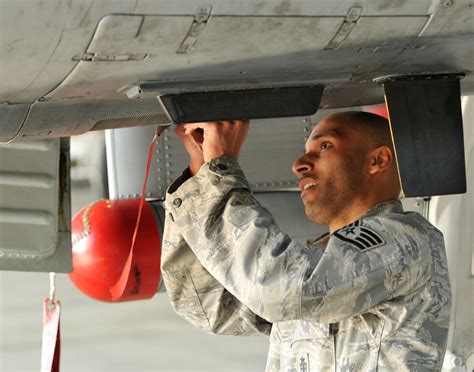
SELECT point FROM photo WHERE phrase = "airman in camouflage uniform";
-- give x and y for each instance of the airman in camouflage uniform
(373, 294)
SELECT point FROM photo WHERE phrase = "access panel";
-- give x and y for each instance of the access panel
(35, 232)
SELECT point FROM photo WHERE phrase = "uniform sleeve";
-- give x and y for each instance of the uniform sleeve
(197, 296)
(237, 241)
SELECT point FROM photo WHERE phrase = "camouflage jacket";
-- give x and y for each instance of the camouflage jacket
(375, 295)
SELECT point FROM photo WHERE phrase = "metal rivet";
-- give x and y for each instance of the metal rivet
(177, 202)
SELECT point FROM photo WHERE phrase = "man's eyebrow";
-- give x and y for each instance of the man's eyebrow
(326, 133)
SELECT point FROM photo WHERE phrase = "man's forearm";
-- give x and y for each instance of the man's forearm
(196, 295)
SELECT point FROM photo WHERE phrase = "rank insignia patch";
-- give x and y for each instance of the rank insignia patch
(361, 237)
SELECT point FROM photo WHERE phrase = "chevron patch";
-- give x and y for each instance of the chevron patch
(361, 237)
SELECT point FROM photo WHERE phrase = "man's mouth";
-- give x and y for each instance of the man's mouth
(307, 183)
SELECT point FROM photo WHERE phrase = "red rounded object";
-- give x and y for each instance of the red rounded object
(378, 110)
(102, 235)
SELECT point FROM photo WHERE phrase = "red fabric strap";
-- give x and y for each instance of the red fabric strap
(51, 345)
(127, 280)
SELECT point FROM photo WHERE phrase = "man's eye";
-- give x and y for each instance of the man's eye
(325, 145)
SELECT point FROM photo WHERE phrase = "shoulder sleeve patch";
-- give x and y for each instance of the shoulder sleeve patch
(361, 237)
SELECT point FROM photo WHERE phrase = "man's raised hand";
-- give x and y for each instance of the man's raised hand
(210, 140)
(192, 142)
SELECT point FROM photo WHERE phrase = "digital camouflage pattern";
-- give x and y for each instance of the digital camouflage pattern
(373, 296)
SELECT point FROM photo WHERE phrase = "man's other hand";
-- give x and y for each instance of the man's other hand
(192, 142)
(210, 140)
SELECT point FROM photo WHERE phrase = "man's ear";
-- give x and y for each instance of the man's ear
(381, 159)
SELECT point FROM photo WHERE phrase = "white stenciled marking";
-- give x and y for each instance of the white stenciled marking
(86, 226)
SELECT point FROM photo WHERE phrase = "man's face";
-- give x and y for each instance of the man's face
(331, 170)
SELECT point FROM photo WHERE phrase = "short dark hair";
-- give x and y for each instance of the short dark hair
(376, 127)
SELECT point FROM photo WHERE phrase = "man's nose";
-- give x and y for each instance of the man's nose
(301, 166)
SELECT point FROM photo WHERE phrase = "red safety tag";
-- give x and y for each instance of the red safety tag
(51, 347)
(127, 281)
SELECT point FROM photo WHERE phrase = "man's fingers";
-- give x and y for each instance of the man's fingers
(203, 125)
(214, 139)
(188, 138)
(191, 128)
(184, 131)
(180, 131)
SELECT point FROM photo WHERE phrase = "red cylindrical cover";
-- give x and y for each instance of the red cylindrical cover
(102, 238)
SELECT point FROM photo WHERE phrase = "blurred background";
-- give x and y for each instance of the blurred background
(96, 336)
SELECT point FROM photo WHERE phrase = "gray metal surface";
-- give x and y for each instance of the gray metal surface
(95, 50)
(39, 40)
(127, 151)
(244, 46)
(75, 116)
(13, 116)
(35, 206)
(267, 156)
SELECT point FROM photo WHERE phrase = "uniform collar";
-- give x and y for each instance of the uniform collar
(380, 209)
(321, 239)
(384, 208)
